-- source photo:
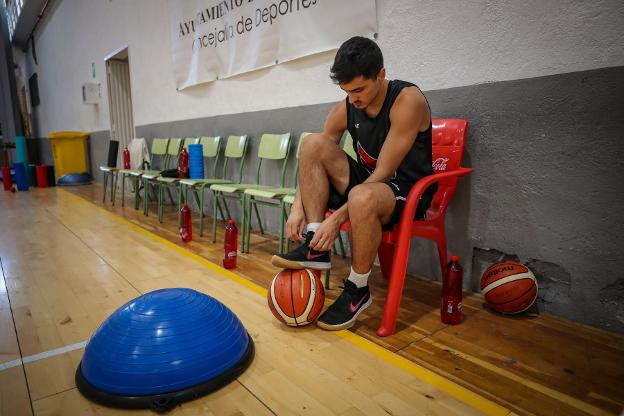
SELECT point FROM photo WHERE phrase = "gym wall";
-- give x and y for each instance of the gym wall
(541, 83)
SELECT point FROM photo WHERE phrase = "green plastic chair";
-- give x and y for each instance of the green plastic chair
(272, 147)
(274, 196)
(109, 172)
(162, 183)
(158, 150)
(149, 178)
(235, 149)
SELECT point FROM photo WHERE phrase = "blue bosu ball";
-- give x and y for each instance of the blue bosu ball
(163, 348)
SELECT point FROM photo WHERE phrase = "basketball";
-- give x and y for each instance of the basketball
(509, 287)
(296, 297)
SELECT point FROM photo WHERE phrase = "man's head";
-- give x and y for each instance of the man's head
(358, 70)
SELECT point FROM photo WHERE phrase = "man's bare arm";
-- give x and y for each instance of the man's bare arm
(407, 116)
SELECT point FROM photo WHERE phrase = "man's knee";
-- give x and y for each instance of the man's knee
(361, 201)
(314, 145)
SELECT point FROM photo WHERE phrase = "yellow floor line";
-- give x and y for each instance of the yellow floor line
(460, 393)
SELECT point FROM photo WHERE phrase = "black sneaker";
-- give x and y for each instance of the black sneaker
(345, 310)
(303, 257)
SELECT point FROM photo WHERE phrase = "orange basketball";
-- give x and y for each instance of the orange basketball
(296, 297)
(509, 287)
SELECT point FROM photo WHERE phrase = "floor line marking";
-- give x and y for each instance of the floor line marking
(42, 355)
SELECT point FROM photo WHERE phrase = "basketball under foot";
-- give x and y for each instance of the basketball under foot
(303, 257)
(345, 310)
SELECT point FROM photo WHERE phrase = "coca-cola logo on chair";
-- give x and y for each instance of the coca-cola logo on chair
(440, 164)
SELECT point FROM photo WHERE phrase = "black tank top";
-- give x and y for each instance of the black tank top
(370, 133)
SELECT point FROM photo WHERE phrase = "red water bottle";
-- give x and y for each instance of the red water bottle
(183, 164)
(126, 158)
(230, 245)
(186, 226)
(450, 310)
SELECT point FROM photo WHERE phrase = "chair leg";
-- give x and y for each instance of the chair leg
(200, 205)
(145, 197)
(395, 287)
(246, 222)
(104, 193)
(215, 195)
(123, 189)
(258, 217)
(170, 195)
(180, 201)
(386, 255)
(281, 231)
(160, 200)
(441, 245)
(327, 279)
(115, 181)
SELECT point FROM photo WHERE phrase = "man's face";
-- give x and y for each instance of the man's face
(362, 91)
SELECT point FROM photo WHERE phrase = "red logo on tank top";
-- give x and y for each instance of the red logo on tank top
(370, 161)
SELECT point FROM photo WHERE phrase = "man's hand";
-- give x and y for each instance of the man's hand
(295, 224)
(326, 234)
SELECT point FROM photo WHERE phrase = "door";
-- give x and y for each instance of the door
(120, 98)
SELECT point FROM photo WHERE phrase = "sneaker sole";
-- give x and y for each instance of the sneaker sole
(347, 324)
(278, 261)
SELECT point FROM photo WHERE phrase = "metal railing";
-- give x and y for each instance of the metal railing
(13, 9)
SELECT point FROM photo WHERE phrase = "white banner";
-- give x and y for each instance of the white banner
(212, 39)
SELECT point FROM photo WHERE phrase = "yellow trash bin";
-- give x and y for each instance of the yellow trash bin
(70, 152)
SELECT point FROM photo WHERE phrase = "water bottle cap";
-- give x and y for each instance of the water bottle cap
(232, 222)
(454, 258)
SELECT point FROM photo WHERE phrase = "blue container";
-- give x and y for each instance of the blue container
(32, 175)
(162, 348)
(21, 178)
(21, 151)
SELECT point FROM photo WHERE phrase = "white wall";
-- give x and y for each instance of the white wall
(437, 44)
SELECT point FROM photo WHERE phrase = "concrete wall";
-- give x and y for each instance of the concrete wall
(540, 82)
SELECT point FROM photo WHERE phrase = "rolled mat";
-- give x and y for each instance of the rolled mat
(42, 176)
(113, 148)
(6, 178)
(21, 179)
(32, 175)
(196, 161)
(51, 178)
(21, 151)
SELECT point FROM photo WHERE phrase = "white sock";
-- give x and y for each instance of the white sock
(360, 280)
(313, 226)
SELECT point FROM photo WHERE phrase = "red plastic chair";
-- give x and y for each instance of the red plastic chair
(448, 138)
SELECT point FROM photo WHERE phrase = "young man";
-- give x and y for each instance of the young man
(390, 123)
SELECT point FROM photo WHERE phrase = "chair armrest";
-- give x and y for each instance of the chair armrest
(413, 198)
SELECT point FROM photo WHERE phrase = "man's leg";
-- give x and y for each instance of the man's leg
(370, 206)
(321, 163)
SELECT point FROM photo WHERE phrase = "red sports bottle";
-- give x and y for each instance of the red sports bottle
(186, 226)
(183, 164)
(126, 158)
(230, 245)
(450, 310)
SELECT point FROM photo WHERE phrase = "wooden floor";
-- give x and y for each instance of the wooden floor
(67, 264)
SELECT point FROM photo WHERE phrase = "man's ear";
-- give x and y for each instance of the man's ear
(382, 74)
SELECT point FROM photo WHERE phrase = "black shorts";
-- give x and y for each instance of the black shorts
(358, 174)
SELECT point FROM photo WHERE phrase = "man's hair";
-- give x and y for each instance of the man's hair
(357, 56)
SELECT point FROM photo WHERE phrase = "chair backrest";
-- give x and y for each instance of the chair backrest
(347, 145)
(273, 147)
(189, 140)
(210, 150)
(159, 148)
(173, 150)
(235, 148)
(447, 147)
(296, 168)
